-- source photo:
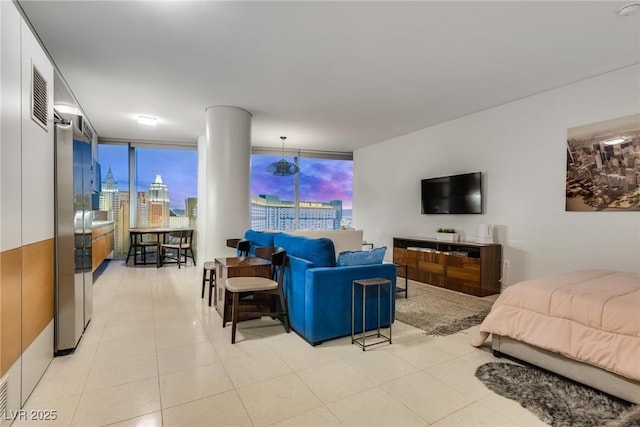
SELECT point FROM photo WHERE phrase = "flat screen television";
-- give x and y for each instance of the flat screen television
(454, 194)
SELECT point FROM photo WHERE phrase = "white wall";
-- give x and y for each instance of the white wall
(11, 118)
(10, 193)
(521, 149)
(1, 138)
(37, 170)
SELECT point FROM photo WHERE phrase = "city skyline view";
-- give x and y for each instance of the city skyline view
(166, 183)
(178, 169)
(319, 179)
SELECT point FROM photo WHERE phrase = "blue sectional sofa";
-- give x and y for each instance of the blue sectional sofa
(318, 292)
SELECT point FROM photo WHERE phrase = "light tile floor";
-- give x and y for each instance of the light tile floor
(155, 354)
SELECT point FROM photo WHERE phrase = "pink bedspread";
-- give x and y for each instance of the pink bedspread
(590, 315)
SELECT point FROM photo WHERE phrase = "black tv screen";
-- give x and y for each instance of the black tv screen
(455, 194)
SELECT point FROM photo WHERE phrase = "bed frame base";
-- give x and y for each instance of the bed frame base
(583, 373)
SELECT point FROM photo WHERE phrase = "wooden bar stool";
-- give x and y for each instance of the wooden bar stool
(209, 269)
(209, 276)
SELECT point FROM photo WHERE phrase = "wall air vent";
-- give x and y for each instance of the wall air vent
(39, 99)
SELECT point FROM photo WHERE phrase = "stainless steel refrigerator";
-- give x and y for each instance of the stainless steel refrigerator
(73, 220)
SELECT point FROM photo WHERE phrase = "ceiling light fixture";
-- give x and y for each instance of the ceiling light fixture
(614, 141)
(147, 120)
(283, 167)
(630, 9)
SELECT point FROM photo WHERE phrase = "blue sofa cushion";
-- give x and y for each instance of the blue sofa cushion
(259, 238)
(374, 256)
(320, 252)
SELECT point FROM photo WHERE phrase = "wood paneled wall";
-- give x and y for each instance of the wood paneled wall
(37, 289)
(10, 308)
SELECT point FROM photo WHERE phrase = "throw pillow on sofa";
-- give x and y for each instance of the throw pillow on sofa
(374, 256)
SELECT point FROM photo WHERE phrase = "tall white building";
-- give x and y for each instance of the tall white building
(110, 202)
(109, 196)
(158, 203)
(142, 210)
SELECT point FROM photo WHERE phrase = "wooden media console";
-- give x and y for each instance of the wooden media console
(472, 268)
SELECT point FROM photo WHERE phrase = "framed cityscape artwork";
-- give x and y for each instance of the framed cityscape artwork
(603, 166)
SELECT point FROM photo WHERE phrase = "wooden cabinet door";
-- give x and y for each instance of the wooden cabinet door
(463, 274)
(431, 268)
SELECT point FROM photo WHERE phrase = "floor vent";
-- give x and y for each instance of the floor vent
(5, 420)
(39, 100)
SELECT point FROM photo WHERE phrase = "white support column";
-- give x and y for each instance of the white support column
(223, 200)
(201, 225)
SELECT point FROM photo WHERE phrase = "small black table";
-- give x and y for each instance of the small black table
(406, 280)
(365, 283)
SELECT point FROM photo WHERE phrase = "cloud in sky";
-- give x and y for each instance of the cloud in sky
(319, 180)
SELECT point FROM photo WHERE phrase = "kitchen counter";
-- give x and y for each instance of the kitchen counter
(98, 224)
(102, 234)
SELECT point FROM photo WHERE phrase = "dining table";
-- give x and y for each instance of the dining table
(136, 237)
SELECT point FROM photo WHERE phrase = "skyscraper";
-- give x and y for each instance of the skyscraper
(158, 203)
(110, 202)
(142, 209)
(191, 207)
(122, 226)
(191, 210)
(109, 196)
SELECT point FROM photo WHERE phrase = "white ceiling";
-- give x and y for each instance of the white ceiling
(329, 75)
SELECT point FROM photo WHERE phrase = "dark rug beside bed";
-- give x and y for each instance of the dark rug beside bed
(557, 401)
(440, 311)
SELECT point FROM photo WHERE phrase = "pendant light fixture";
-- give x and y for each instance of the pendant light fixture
(283, 167)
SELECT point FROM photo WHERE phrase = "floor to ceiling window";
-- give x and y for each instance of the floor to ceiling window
(272, 197)
(114, 194)
(166, 183)
(317, 198)
(150, 186)
(325, 190)
(164, 189)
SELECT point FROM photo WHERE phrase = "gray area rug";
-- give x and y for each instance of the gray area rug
(439, 311)
(557, 401)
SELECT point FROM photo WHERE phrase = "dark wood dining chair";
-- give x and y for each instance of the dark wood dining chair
(264, 296)
(180, 242)
(140, 248)
(243, 247)
(233, 243)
